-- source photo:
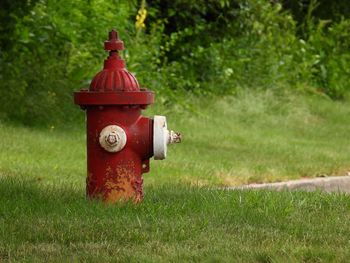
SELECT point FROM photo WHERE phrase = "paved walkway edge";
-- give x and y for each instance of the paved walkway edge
(327, 184)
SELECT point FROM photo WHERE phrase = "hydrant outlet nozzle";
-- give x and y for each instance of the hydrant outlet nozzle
(162, 137)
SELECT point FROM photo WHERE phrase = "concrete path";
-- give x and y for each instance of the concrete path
(327, 184)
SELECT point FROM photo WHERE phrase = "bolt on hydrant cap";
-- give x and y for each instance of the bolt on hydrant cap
(174, 137)
(112, 138)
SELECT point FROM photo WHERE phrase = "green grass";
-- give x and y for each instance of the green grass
(44, 215)
(174, 224)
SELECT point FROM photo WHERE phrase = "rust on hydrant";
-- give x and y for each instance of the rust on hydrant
(120, 141)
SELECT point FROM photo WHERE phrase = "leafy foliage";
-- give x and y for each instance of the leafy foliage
(50, 48)
(54, 49)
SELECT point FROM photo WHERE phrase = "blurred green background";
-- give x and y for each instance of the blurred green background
(179, 49)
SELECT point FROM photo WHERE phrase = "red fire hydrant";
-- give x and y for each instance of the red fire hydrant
(120, 141)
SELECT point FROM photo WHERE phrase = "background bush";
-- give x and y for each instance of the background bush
(50, 48)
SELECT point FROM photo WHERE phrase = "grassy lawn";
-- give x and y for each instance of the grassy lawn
(250, 138)
(175, 223)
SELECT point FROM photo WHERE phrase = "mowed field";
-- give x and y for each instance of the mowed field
(258, 137)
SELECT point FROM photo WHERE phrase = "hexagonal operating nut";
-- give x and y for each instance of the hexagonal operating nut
(112, 138)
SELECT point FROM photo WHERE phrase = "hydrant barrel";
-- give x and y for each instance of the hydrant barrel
(118, 175)
(120, 141)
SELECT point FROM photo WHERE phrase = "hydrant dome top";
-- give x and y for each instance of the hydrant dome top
(114, 76)
(114, 84)
(114, 80)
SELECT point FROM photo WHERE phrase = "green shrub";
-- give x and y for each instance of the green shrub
(330, 48)
(56, 48)
(50, 48)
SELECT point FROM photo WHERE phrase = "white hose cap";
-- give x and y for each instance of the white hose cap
(162, 137)
(112, 138)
